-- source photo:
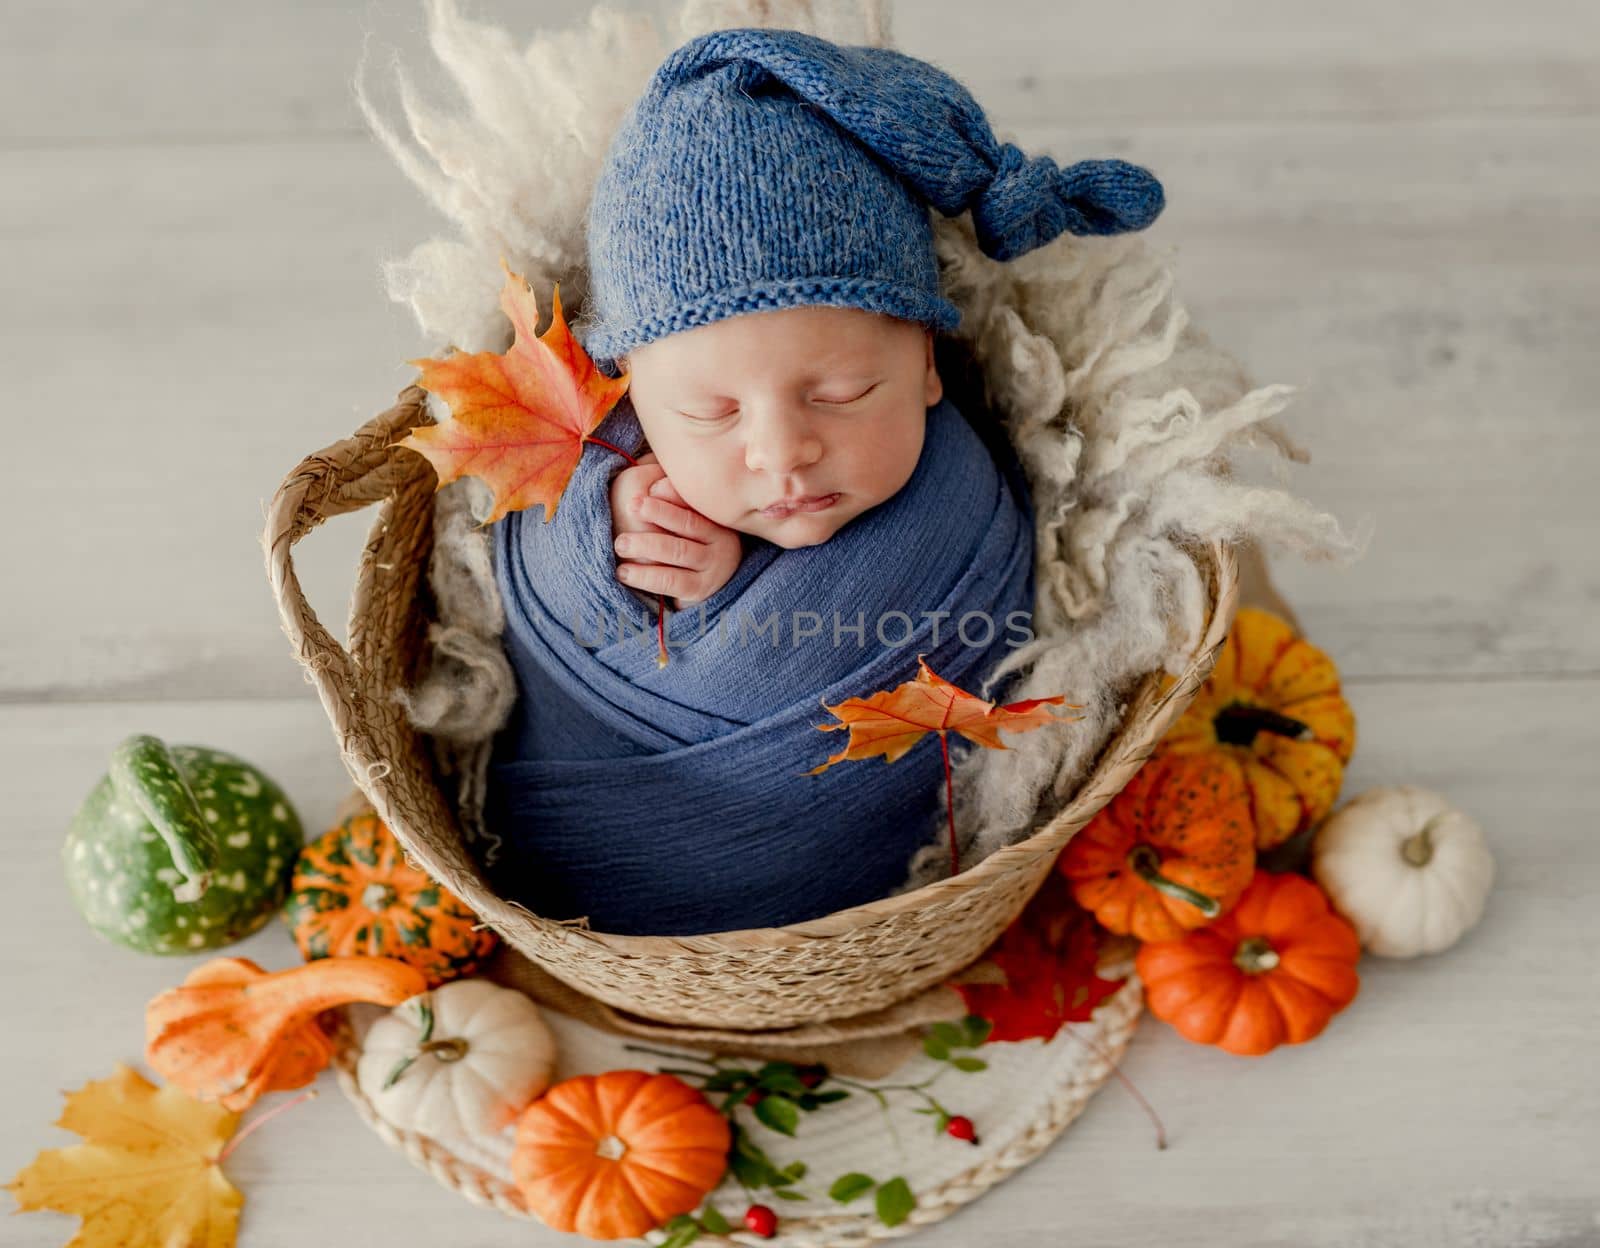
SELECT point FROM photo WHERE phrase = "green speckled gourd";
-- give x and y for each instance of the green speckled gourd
(180, 849)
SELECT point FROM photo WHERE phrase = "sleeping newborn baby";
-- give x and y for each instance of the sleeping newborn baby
(811, 507)
(675, 800)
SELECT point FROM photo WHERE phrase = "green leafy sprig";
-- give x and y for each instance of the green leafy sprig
(778, 1095)
(893, 1203)
(684, 1229)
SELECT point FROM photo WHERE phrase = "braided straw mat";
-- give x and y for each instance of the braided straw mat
(842, 964)
(1030, 1093)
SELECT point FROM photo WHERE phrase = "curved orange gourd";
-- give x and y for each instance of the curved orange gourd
(232, 1031)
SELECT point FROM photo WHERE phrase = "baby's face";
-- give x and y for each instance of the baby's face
(810, 402)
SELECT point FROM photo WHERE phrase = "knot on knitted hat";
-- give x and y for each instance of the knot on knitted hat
(1030, 201)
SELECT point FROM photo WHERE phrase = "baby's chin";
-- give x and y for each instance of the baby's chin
(797, 529)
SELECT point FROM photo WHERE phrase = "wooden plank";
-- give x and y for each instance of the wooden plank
(227, 321)
(90, 72)
(1451, 1103)
(1434, 299)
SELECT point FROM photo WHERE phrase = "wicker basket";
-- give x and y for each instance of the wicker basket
(840, 965)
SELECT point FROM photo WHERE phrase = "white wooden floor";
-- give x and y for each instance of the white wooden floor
(1393, 206)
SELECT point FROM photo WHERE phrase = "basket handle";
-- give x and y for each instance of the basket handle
(351, 474)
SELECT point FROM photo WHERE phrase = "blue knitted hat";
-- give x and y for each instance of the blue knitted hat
(765, 169)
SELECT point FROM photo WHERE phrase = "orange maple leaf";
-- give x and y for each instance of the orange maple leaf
(891, 721)
(521, 418)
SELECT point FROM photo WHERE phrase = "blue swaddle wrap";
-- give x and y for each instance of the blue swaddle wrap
(673, 801)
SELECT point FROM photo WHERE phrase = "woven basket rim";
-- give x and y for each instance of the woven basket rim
(369, 468)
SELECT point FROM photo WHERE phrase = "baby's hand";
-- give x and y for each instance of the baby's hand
(668, 547)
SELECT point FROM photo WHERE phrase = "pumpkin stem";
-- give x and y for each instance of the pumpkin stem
(1418, 849)
(611, 1147)
(147, 777)
(1255, 955)
(452, 1049)
(1239, 722)
(1146, 864)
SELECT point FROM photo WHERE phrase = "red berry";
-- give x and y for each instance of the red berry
(962, 1128)
(752, 1096)
(811, 1076)
(761, 1220)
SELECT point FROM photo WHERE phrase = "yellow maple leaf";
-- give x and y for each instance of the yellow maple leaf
(520, 419)
(148, 1176)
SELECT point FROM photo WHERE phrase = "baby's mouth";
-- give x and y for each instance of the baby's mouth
(815, 502)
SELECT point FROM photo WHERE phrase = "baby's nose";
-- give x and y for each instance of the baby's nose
(779, 449)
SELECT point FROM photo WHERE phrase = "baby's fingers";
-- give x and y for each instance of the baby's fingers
(654, 578)
(667, 548)
(637, 481)
(663, 488)
(684, 521)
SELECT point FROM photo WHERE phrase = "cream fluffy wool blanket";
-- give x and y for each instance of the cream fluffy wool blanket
(1132, 427)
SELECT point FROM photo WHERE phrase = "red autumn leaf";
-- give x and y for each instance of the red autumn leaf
(520, 418)
(890, 722)
(1046, 962)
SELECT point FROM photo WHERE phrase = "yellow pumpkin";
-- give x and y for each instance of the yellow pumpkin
(1273, 707)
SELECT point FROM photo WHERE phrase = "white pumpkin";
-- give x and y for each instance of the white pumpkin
(459, 1062)
(1409, 870)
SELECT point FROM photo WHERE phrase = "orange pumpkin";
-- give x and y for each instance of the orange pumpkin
(1273, 707)
(355, 895)
(611, 1156)
(1273, 970)
(1172, 851)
